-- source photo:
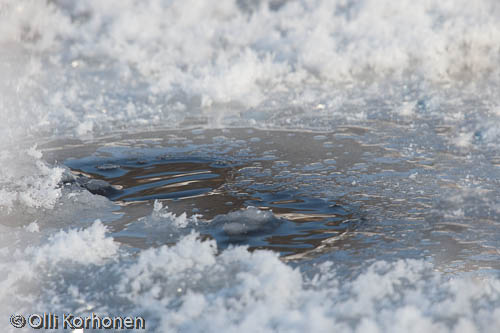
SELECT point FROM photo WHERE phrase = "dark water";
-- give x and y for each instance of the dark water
(219, 179)
(337, 195)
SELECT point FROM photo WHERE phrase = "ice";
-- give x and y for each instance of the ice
(97, 186)
(392, 109)
(86, 246)
(239, 290)
(161, 226)
(33, 227)
(250, 220)
(28, 181)
(162, 214)
(302, 53)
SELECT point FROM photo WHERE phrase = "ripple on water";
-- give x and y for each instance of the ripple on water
(251, 200)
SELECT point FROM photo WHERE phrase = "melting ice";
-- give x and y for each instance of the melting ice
(270, 166)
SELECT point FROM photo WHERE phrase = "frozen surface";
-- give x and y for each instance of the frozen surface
(271, 166)
(238, 290)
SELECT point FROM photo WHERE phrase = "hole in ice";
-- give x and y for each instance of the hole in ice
(242, 190)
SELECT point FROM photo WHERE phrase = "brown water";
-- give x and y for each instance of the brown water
(213, 173)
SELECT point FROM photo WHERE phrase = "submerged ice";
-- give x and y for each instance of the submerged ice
(247, 221)
(271, 166)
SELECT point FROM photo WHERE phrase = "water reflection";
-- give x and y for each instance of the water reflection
(217, 186)
(341, 195)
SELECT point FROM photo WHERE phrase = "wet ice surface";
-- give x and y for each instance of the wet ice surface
(346, 212)
(330, 195)
(269, 166)
(243, 186)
